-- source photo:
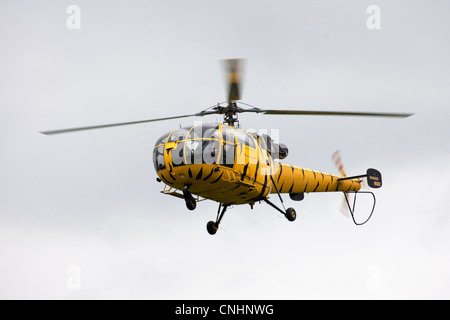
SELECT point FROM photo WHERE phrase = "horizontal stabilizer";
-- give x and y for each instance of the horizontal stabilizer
(373, 178)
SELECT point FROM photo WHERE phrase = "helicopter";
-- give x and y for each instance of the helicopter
(231, 166)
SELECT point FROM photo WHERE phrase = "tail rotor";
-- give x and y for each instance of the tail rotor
(336, 157)
(371, 179)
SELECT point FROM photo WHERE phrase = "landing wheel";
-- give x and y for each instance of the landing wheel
(191, 204)
(290, 214)
(212, 227)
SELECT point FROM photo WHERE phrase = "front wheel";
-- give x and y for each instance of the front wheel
(290, 214)
(191, 204)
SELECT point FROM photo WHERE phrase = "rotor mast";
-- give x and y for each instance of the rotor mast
(229, 113)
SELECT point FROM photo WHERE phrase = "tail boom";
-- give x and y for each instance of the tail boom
(292, 179)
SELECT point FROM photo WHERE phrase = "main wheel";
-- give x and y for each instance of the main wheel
(212, 228)
(290, 214)
(191, 204)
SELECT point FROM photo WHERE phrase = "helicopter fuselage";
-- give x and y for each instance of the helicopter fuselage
(223, 163)
(231, 166)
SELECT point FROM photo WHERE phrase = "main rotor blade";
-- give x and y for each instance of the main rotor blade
(233, 70)
(50, 132)
(336, 113)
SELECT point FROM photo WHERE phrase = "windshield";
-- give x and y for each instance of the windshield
(199, 144)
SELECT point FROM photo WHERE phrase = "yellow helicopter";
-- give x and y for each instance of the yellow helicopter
(223, 163)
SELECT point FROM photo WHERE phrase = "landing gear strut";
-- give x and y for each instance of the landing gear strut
(212, 226)
(289, 213)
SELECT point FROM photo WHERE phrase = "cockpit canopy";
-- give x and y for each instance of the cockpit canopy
(209, 144)
(203, 143)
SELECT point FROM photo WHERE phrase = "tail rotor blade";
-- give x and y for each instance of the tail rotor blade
(336, 157)
(338, 162)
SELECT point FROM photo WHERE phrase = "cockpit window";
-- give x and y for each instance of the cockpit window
(245, 138)
(227, 155)
(178, 135)
(196, 145)
(162, 139)
(195, 133)
(194, 151)
(211, 134)
(208, 128)
(158, 158)
(202, 151)
(177, 154)
(228, 134)
(265, 141)
(206, 131)
(210, 151)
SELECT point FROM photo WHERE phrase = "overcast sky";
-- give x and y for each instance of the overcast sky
(81, 215)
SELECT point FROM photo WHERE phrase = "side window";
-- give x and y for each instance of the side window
(211, 134)
(158, 158)
(228, 134)
(227, 155)
(264, 141)
(245, 138)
